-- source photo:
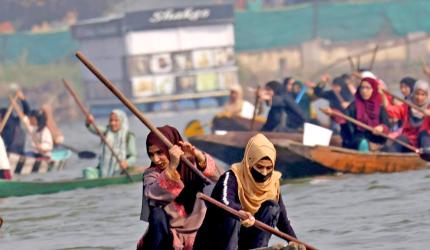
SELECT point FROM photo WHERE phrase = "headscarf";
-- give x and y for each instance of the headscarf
(410, 83)
(416, 117)
(118, 141)
(251, 193)
(235, 107)
(192, 182)
(368, 110)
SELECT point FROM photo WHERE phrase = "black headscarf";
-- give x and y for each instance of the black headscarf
(276, 87)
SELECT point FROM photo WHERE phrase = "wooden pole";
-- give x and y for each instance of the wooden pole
(351, 63)
(409, 103)
(99, 133)
(257, 223)
(136, 111)
(6, 116)
(256, 107)
(367, 127)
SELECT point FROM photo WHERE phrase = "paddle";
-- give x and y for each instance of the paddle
(6, 116)
(99, 133)
(136, 112)
(423, 153)
(256, 106)
(195, 128)
(409, 103)
(81, 154)
(373, 57)
(257, 223)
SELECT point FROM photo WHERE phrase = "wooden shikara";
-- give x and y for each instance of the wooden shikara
(356, 162)
(230, 147)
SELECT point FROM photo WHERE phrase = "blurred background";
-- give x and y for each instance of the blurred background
(186, 62)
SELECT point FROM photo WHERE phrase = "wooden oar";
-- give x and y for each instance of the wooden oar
(256, 107)
(372, 62)
(409, 103)
(367, 127)
(99, 133)
(136, 112)
(351, 63)
(257, 223)
(6, 116)
(1, 221)
(21, 116)
(83, 154)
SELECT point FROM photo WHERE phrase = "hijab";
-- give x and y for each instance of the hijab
(276, 87)
(251, 193)
(367, 111)
(118, 141)
(410, 83)
(235, 107)
(416, 117)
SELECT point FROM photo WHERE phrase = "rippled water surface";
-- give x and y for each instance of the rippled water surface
(380, 211)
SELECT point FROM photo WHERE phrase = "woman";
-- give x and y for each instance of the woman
(339, 97)
(236, 105)
(368, 109)
(415, 126)
(41, 139)
(169, 192)
(407, 86)
(122, 141)
(252, 187)
(281, 105)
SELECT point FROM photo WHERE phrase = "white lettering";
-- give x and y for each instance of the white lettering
(189, 14)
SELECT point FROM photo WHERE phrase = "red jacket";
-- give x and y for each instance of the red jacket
(401, 112)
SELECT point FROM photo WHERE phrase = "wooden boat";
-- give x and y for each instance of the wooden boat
(356, 162)
(24, 165)
(229, 148)
(24, 188)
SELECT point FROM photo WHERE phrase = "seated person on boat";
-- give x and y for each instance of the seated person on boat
(123, 142)
(5, 172)
(252, 187)
(13, 134)
(281, 105)
(41, 138)
(415, 126)
(339, 97)
(367, 108)
(169, 192)
(237, 105)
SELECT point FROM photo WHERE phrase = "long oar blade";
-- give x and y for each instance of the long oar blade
(87, 155)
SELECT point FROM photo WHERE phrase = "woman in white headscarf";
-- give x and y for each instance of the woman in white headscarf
(121, 139)
(416, 126)
(236, 105)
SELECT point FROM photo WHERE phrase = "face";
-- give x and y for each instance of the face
(366, 90)
(297, 88)
(290, 85)
(234, 95)
(406, 91)
(269, 91)
(157, 156)
(33, 121)
(114, 122)
(420, 97)
(264, 167)
(336, 88)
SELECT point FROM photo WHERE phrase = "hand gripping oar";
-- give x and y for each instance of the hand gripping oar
(257, 223)
(409, 103)
(136, 112)
(423, 153)
(99, 133)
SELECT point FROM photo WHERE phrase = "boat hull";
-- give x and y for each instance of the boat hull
(230, 148)
(24, 188)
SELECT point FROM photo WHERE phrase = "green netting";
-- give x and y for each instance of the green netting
(336, 21)
(37, 48)
(339, 22)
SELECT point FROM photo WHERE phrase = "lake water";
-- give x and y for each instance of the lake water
(379, 211)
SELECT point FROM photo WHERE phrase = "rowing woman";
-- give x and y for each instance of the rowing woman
(252, 187)
(170, 189)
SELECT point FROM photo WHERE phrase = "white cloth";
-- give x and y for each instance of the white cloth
(247, 110)
(43, 137)
(4, 161)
